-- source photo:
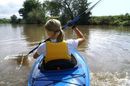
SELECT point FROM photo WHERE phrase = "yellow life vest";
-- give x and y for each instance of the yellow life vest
(56, 51)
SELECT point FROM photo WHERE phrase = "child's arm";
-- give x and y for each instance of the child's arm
(79, 34)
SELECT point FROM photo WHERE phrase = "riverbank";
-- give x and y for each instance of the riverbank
(122, 20)
(4, 20)
(118, 20)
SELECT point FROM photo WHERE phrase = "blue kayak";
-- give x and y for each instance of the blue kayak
(77, 76)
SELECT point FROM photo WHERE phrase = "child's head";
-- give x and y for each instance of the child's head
(54, 29)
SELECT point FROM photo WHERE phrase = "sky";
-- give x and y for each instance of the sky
(104, 8)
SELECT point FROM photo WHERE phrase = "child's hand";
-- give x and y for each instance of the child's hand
(74, 26)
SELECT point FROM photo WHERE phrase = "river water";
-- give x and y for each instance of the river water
(107, 51)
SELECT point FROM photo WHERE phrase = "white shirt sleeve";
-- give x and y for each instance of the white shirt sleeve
(41, 49)
(73, 42)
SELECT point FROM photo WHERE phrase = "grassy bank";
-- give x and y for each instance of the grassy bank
(4, 20)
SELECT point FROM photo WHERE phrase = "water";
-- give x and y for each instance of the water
(107, 50)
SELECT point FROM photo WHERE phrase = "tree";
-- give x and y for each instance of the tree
(13, 19)
(72, 8)
(32, 12)
(35, 17)
(53, 8)
(83, 5)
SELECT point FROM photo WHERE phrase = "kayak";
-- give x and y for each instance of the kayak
(76, 76)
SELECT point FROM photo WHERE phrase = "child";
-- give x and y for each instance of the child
(56, 50)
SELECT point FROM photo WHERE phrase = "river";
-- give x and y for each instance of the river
(107, 51)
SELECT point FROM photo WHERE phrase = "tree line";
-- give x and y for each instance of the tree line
(35, 12)
(4, 20)
(123, 20)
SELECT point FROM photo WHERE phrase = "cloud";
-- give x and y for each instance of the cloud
(10, 7)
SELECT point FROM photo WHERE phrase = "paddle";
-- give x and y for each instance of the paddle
(70, 23)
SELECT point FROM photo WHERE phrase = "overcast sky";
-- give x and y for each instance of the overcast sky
(105, 7)
(9, 7)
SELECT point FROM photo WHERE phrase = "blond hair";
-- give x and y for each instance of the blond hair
(54, 25)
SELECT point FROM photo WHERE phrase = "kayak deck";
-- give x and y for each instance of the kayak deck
(77, 76)
(58, 78)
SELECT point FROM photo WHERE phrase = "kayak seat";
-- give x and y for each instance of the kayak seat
(59, 64)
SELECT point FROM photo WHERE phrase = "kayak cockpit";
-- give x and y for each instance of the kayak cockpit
(59, 64)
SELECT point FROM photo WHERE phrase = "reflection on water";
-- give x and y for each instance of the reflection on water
(110, 46)
(110, 79)
(34, 32)
(107, 49)
(10, 76)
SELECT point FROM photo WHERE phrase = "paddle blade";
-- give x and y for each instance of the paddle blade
(71, 22)
(22, 60)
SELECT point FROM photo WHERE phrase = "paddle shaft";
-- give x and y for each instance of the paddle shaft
(72, 22)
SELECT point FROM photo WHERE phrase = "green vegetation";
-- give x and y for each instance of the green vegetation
(32, 12)
(14, 19)
(36, 12)
(4, 21)
(123, 20)
(72, 8)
